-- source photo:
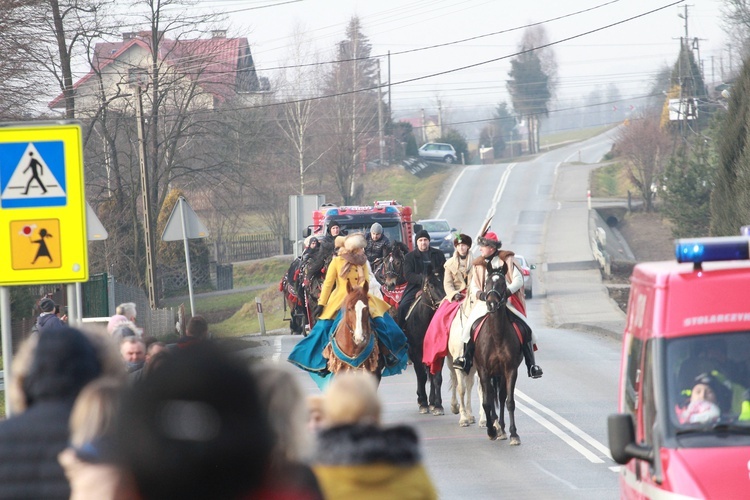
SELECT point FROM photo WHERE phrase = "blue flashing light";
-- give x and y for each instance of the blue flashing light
(745, 230)
(699, 250)
(391, 210)
(332, 211)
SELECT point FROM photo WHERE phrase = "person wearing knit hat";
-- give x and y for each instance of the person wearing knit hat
(455, 284)
(491, 253)
(417, 264)
(349, 268)
(48, 320)
(378, 245)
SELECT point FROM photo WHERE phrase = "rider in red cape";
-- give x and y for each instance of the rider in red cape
(489, 247)
(456, 284)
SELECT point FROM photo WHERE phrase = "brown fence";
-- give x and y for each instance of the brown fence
(245, 247)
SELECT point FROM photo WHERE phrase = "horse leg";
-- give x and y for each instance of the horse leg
(515, 440)
(501, 397)
(455, 408)
(470, 387)
(464, 420)
(436, 396)
(488, 403)
(482, 414)
(421, 373)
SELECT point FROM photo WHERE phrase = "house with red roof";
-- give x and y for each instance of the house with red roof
(209, 71)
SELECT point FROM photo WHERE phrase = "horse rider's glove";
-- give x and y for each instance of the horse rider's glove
(318, 310)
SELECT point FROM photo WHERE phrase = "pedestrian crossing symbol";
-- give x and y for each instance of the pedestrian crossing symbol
(32, 174)
(35, 244)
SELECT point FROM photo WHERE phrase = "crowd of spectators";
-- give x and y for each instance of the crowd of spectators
(100, 414)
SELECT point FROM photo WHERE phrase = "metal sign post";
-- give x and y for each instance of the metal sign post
(183, 224)
(7, 342)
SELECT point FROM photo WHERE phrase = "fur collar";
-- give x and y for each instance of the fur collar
(365, 444)
(502, 254)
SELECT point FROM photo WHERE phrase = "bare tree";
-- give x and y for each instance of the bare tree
(298, 82)
(647, 149)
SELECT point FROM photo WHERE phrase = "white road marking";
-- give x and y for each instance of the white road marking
(566, 423)
(591, 457)
(448, 197)
(276, 348)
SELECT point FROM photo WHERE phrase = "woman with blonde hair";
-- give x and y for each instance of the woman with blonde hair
(90, 460)
(350, 266)
(359, 458)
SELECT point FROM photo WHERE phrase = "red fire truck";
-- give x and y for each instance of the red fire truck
(395, 219)
(683, 430)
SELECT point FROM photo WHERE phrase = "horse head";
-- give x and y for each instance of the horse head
(392, 270)
(432, 288)
(496, 287)
(357, 312)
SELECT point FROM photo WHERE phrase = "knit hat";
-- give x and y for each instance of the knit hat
(422, 234)
(490, 239)
(355, 241)
(462, 238)
(47, 305)
(376, 228)
(309, 240)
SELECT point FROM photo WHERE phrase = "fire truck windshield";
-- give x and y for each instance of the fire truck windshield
(707, 381)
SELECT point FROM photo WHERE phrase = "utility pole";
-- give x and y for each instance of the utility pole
(380, 116)
(440, 118)
(150, 276)
(389, 82)
(424, 128)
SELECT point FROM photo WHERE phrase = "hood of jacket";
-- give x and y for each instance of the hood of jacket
(365, 444)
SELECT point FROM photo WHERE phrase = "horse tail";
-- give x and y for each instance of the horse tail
(495, 382)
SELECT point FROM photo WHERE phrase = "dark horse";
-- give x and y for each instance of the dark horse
(295, 297)
(390, 274)
(427, 301)
(497, 356)
(354, 345)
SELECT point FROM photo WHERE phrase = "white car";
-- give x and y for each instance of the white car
(437, 151)
(526, 271)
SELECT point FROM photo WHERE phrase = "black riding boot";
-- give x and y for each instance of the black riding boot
(534, 370)
(466, 361)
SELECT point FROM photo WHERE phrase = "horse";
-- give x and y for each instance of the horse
(461, 381)
(417, 321)
(390, 274)
(295, 297)
(497, 356)
(354, 345)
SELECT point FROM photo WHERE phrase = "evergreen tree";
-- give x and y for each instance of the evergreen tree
(730, 200)
(529, 91)
(688, 182)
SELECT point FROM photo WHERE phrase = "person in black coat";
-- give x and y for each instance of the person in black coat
(48, 320)
(60, 365)
(417, 264)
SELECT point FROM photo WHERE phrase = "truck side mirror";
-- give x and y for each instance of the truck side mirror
(532, 266)
(306, 232)
(417, 228)
(622, 443)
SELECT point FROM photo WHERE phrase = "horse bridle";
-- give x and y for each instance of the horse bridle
(502, 298)
(389, 268)
(433, 304)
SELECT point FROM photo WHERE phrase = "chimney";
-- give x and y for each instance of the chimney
(128, 35)
(218, 33)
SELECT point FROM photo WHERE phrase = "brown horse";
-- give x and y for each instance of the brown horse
(354, 345)
(497, 356)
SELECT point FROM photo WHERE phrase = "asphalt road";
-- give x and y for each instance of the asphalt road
(561, 417)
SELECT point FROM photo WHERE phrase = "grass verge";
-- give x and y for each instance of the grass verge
(573, 135)
(610, 181)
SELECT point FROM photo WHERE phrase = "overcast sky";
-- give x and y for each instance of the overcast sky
(628, 54)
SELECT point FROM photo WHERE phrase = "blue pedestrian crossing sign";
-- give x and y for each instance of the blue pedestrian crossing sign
(42, 204)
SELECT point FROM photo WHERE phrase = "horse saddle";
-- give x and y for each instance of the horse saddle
(477, 325)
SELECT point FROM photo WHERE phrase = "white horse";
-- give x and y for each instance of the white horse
(460, 380)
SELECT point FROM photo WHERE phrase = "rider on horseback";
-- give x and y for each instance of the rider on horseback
(489, 247)
(456, 286)
(378, 245)
(417, 264)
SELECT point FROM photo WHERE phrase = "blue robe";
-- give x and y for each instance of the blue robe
(308, 353)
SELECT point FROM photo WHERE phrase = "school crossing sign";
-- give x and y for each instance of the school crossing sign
(42, 204)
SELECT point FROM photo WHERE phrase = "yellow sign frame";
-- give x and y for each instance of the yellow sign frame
(72, 240)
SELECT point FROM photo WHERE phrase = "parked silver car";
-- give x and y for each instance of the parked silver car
(437, 151)
(526, 271)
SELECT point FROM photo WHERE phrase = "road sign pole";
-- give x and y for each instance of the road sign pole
(7, 342)
(73, 319)
(181, 201)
